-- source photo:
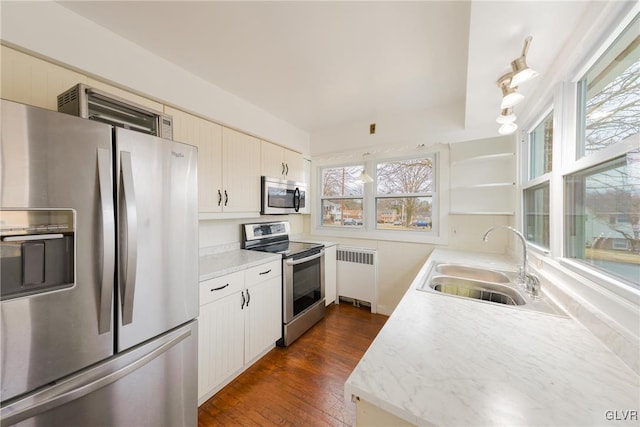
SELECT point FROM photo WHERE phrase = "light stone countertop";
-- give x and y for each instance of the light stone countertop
(449, 361)
(218, 264)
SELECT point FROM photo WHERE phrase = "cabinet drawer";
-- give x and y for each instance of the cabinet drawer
(263, 272)
(220, 287)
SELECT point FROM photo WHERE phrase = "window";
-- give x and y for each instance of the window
(400, 203)
(342, 196)
(609, 96)
(596, 200)
(404, 195)
(602, 193)
(536, 214)
(540, 147)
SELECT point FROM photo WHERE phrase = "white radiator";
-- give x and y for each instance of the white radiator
(357, 274)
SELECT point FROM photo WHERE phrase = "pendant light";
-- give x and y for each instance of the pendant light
(506, 116)
(364, 177)
(521, 71)
(509, 95)
(508, 128)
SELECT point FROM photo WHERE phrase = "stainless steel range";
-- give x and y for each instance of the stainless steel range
(302, 275)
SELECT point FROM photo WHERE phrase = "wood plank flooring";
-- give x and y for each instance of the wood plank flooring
(300, 385)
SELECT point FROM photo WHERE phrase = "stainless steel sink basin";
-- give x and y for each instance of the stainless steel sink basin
(485, 285)
(474, 273)
(485, 291)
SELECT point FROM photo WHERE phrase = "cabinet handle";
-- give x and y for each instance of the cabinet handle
(248, 297)
(265, 272)
(220, 288)
(282, 168)
(287, 165)
(219, 197)
(243, 300)
(226, 198)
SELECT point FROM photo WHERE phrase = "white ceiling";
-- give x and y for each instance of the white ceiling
(318, 65)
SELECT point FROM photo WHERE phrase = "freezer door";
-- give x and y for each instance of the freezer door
(55, 169)
(152, 385)
(157, 206)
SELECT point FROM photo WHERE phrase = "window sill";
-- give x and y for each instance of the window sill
(618, 287)
(395, 236)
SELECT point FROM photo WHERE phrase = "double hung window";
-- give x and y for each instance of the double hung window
(342, 197)
(536, 191)
(404, 194)
(602, 198)
(402, 197)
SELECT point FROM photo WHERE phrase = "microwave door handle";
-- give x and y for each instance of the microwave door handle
(128, 281)
(291, 262)
(296, 199)
(108, 240)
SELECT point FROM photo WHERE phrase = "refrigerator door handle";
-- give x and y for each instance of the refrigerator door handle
(108, 240)
(128, 201)
(83, 384)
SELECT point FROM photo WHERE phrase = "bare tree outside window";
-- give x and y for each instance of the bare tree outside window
(603, 201)
(613, 114)
(342, 196)
(404, 190)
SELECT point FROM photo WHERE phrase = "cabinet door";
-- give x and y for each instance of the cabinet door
(207, 136)
(241, 172)
(272, 158)
(220, 343)
(263, 321)
(294, 166)
(330, 271)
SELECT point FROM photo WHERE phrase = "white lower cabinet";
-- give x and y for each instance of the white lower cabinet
(330, 275)
(240, 320)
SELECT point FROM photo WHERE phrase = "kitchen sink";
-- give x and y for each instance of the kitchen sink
(485, 291)
(474, 273)
(493, 286)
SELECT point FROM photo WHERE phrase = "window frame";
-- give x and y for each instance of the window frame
(438, 235)
(528, 183)
(322, 198)
(567, 160)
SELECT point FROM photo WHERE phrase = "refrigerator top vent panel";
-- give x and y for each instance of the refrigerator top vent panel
(89, 103)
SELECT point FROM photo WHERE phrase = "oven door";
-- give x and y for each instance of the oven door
(303, 284)
(283, 197)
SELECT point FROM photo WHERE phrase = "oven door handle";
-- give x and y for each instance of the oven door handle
(291, 262)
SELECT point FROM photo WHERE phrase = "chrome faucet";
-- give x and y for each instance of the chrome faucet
(530, 281)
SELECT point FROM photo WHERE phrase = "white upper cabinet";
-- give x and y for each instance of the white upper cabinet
(207, 136)
(240, 172)
(228, 166)
(280, 162)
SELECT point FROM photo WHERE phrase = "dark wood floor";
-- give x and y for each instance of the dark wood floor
(300, 385)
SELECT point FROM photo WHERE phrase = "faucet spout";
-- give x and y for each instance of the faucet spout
(523, 269)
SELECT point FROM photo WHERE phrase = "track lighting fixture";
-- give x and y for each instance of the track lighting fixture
(521, 71)
(509, 95)
(506, 116)
(508, 84)
(508, 128)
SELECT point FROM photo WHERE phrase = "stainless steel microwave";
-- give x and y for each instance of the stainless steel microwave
(281, 197)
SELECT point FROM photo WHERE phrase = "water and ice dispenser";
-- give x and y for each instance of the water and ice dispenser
(37, 251)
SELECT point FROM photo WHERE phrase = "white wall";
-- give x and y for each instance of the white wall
(51, 31)
(444, 124)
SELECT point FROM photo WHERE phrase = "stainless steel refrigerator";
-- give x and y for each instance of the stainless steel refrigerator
(99, 274)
